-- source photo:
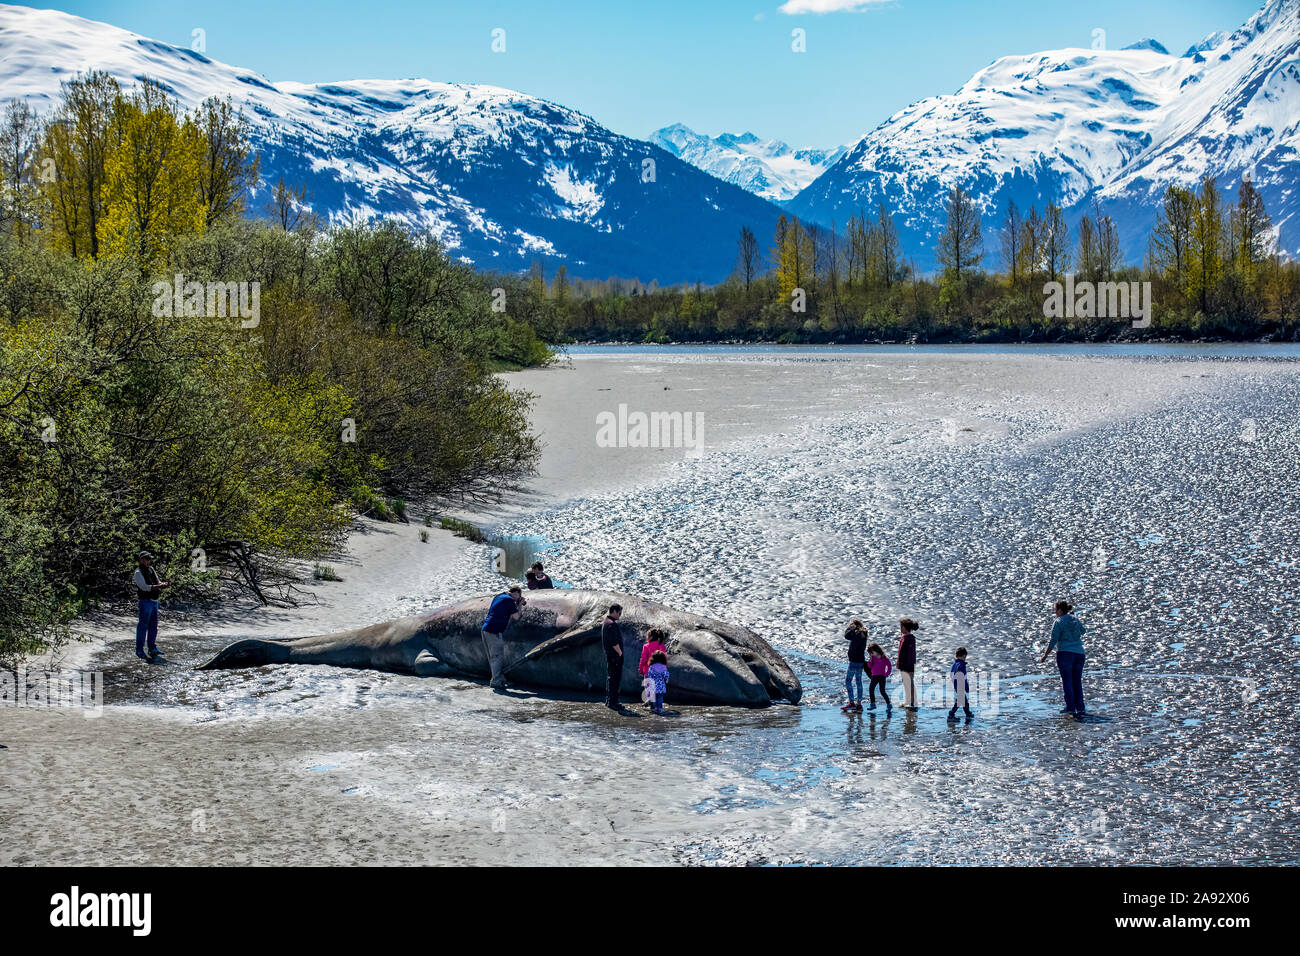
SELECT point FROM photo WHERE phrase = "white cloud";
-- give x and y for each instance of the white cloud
(793, 7)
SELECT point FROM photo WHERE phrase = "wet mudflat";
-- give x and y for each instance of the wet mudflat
(1154, 491)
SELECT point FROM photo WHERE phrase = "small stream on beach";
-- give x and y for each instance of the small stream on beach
(1155, 490)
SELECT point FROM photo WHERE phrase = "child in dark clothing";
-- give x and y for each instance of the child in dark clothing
(960, 686)
(856, 635)
(906, 660)
(658, 672)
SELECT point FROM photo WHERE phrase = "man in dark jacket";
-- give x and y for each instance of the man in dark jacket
(611, 638)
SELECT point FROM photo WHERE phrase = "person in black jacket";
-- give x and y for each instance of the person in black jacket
(538, 578)
(857, 636)
(906, 663)
(611, 638)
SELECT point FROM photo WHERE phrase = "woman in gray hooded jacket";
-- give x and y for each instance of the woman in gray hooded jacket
(1067, 639)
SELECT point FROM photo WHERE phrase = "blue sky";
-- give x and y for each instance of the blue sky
(715, 65)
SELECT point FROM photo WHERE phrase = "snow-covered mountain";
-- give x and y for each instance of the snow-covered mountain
(767, 168)
(1081, 127)
(503, 178)
(500, 177)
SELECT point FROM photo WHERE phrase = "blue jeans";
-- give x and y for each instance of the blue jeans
(1070, 664)
(659, 703)
(855, 673)
(147, 626)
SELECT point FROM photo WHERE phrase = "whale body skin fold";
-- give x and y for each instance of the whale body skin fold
(554, 643)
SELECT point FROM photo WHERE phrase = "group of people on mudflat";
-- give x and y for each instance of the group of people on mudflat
(653, 666)
(872, 658)
(863, 657)
(1066, 639)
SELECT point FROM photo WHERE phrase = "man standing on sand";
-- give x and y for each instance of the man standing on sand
(504, 609)
(611, 638)
(147, 591)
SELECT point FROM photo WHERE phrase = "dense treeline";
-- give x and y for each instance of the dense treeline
(1212, 265)
(222, 390)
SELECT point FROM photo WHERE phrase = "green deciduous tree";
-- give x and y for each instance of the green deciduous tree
(1206, 240)
(152, 174)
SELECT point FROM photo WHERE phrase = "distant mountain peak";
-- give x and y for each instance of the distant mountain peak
(1148, 44)
(767, 168)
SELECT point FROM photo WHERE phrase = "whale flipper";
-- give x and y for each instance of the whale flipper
(573, 638)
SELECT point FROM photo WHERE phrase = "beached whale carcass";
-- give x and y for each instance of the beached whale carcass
(554, 643)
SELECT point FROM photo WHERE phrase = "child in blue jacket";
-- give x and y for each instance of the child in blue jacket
(960, 686)
(658, 672)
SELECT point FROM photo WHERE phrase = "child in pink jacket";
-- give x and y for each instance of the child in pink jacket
(880, 668)
(656, 640)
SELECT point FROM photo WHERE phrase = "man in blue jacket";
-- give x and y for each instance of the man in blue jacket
(504, 609)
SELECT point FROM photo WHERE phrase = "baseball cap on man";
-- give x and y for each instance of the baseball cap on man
(142, 555)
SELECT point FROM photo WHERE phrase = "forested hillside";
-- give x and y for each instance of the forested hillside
(222, 385)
